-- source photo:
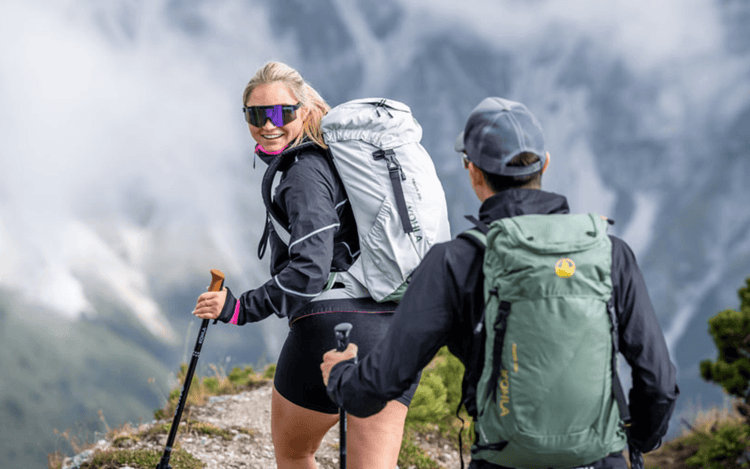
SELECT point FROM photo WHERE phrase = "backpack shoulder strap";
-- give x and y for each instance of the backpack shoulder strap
(478, 234)
(478, 224)
(617, 389)
(274, 215)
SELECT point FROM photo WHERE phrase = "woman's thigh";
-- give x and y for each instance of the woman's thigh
(374, 442)
(297, 431)
(298, 377)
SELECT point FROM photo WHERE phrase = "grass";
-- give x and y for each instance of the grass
(411, 455)
(431, 413)
(704, 443)
(114, 459)
(714, 439)
(236, 381)
(221, 383)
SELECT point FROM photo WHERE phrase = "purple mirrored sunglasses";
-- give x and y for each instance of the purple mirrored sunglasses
(280, 114)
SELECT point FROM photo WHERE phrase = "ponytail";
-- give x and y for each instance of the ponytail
(316, 109)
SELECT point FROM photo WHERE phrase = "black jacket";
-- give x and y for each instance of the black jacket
(312, 200)
(444, 303)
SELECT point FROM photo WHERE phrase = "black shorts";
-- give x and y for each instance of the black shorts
(298, 376)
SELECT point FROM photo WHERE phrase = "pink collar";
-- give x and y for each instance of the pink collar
(260, 147)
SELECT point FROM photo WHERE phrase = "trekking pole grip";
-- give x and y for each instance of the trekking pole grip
(342, 335)
(217, 280)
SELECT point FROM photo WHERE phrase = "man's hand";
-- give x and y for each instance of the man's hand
(332, 357)
(210, 304)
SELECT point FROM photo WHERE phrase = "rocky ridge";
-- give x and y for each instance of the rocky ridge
(247, 418)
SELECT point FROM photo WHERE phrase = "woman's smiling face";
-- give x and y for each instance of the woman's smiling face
(274, 139)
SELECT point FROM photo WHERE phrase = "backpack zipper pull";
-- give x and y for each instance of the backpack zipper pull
(385, 108)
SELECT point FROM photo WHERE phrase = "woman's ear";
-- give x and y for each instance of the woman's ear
(303, 112)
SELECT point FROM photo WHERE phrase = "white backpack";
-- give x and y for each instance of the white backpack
(390, 180)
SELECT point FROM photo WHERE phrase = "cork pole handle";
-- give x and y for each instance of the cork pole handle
(217, 280)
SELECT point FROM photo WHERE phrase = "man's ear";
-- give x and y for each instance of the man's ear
(477, 178)
(479, 183)
(546, 164)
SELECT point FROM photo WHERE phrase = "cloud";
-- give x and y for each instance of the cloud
(645, 32)
(115, 119)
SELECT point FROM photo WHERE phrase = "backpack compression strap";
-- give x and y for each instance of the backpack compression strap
(396, 174)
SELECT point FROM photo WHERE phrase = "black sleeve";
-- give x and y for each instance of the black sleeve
(306, 193)
(421, 325)
(654, 392)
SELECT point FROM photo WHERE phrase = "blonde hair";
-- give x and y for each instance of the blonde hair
(316, 107)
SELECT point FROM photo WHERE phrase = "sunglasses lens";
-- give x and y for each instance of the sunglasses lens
(276, 115)
(280, 115)
(253, 116)
(289, 113)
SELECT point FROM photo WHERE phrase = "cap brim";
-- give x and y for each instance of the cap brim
(459, 145)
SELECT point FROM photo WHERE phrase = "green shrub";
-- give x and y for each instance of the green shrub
(240, 377)
(429, 404)
(725, 447)
(211, 384)
(269, 372)
(439, 391)
(730, 330)
(433, 409)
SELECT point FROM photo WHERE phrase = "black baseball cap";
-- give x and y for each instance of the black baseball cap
(496, 132)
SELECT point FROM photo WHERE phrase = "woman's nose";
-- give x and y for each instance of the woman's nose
(268, 124)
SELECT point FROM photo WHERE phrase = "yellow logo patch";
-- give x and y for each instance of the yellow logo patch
(565, 267)
(504, 393)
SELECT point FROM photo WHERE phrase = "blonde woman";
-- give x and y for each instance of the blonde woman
(283, 113)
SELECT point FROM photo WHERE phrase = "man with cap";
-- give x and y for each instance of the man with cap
(502, 146)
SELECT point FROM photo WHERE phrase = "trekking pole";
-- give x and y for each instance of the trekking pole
(342, 341)
(217, 283)
(636, 458)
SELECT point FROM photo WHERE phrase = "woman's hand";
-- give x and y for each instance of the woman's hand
(332, 357)
(210, 304)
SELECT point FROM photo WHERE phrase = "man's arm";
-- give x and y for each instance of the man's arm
(421, 325)
(654, 392)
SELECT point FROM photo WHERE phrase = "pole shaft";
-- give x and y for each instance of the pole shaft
(217, 283)
(342, 342)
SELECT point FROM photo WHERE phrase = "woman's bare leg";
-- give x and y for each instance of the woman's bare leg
(374, 442)
(297, 432)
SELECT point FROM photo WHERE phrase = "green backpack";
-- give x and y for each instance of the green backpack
(548, 395)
